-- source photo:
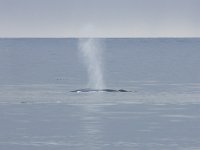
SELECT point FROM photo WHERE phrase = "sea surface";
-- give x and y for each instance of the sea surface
(38, 111)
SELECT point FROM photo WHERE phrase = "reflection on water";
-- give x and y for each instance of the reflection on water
(92, 123)
(47, 117)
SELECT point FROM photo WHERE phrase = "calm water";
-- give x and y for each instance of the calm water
(38, 112)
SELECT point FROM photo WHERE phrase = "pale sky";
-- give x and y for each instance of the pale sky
(100, 18)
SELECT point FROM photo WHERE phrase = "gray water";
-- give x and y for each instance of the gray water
(37, 111)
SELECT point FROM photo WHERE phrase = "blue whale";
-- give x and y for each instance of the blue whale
(99, 90)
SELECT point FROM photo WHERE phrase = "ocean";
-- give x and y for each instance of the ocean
(38, 111)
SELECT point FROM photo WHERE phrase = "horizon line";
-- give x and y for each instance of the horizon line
(78, 37)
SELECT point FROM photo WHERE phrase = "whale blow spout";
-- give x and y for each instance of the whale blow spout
(99, 90)
(92, 53)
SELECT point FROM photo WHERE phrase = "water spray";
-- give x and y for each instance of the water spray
(92, 53)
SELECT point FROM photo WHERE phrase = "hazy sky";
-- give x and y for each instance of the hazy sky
(100, 18)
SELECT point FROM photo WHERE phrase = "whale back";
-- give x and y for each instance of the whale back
(99, 90)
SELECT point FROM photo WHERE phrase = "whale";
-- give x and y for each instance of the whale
(99, 90)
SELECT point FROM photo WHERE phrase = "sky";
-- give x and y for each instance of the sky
(99, 18)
